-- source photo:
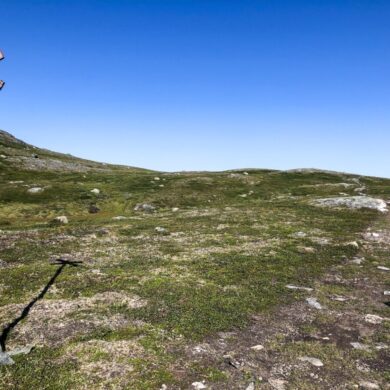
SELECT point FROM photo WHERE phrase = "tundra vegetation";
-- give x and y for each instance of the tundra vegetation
(189, 280)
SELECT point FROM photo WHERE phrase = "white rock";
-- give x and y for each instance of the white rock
(174, 209)
(156, 178)
(245, 173)
(199, 385)
(35, 190)
(61, 219)
(373, 319)
(251, 386)
(357, 345)
(369, 386)
(357, 260)
(161, 185)
(339, 299)
(161, 230)
(292, 287)
(119, 218)
(243, 195)
(314, 303)
(164, 387)
(95, 191)
(258, 347)
(353, 244)
(354, 202)
(314, 361)
(386, 292)
(382, 268)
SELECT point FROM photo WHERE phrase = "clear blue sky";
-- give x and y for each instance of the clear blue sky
(201, 85)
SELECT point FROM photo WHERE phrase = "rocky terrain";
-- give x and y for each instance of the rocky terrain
(115, 277)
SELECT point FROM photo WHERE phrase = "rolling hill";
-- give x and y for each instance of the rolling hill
(115, 277)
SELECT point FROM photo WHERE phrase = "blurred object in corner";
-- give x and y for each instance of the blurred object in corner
(1, 81)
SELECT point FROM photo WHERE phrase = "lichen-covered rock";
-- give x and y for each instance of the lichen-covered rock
(354, 202)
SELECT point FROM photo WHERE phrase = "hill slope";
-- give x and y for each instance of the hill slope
(187, 279)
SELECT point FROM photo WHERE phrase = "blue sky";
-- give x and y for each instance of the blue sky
(201, 85)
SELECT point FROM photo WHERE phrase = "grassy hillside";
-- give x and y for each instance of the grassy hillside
(184, 303)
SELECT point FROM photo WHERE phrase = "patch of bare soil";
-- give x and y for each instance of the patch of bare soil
(52, 322)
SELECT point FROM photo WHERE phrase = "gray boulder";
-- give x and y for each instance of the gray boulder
(354, 202)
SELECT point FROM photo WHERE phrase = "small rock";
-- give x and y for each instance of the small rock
(164, 387)
(369, 386)
(243, 195)
(93, 209)
(386, 292)
(5, 359)
(148, 208)
(339, 299)
(199, 385)
(174, 209)
(371, 236)
(354, 244)
(161, 230)
(382, 268)
(314, 303)
(95, 191)
(199, 349)
(277, 384)
(245, 173)
(306, 249)
(21, 351)
(258, 347)
(373, 319)
(314, 361)
(97, 271)
(156, 178)
(229, 360)
(61, 219)
(292, 287)
(35, 190)
(356, 260)
(299, 234)
(360, 346)
(161, 185)
(119, 218)
(251, 386)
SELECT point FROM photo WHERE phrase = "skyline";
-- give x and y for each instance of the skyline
(183, 85)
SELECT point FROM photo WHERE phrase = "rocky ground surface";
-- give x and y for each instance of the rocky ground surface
(122, 278)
